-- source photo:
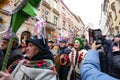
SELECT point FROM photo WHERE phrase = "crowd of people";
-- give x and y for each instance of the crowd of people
(42, 59)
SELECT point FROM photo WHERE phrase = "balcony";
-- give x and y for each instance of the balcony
(56, 11)
(46, 4)
(50, 25)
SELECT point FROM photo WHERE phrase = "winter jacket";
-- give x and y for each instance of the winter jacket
(76, 59)
(116, 64)
(90, 69)
(1, 58)
(111, 58)
(64, 50)
(62, 69)
(35, 70)
(14, 55)
(39, 67)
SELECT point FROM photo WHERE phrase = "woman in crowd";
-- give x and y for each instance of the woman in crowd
(76, 57)
(38, 64)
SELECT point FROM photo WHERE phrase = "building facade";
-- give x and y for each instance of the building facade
(59, 22)
(111, 9)
(71, 25)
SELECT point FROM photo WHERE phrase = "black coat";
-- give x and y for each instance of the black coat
(64, 68)
(42, 55)
(1, 58)
(112, 60)
(14, 55)
(116, 64)
(64, 50)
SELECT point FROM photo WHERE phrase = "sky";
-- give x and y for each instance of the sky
(88, 10)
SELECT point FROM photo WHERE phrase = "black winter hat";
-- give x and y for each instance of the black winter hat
(39, 42)
(63, 41)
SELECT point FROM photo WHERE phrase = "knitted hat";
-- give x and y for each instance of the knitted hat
(71, 44)
(81, 42)
(39, 42)
(63, 41)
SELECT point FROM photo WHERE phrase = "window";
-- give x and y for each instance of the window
(43, 13)
(55, 21)
(47, 16)
(115, 14)
(69, 28)
(63, 8)
(63, 23)
(55, 5)
(114, 10)
(119, 4)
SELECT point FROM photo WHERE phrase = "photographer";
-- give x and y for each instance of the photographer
(113, 58)
(116, 61)
(102, 50)
(90, 69)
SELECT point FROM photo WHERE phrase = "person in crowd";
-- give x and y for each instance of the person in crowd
(37, 65)
(1, 58)
(102, 50)
(22, 48)
(110, 44)
(0, 44)
(76, 57)
(86, 45)
(63, 49)
(51, 47)
(103, 59)
(15, 52)
(70, 46)
(90, 69)
(116, 61)
(62, 69)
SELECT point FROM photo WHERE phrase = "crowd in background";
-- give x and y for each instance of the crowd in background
(39, 59)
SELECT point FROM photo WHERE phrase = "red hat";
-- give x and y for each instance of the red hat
(71, 44)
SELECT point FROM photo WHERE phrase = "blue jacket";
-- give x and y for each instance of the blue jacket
(90, 69)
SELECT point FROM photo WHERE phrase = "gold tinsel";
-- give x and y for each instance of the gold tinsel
(3, 3)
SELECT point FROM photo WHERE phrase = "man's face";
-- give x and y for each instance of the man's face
(77, 44)
(31, 50)
(62, 44)
(50, 44)
(4, 44)
(116, 39)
